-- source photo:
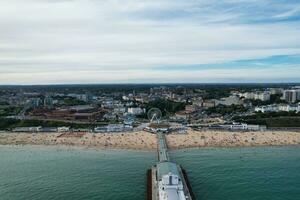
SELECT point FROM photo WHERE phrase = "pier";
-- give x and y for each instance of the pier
(167, 180)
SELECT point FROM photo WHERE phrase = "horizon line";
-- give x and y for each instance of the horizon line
(162, 83)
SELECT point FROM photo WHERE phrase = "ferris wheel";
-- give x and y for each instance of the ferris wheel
(154, 115)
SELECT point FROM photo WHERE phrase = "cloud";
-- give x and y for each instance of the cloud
(82, 40)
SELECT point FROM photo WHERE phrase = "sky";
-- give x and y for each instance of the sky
(149, 41)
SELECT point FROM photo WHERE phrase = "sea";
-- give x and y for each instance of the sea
(54, 173)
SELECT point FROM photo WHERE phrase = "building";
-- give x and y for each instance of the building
(136, 110)
(228, 101)
(263, 96)
(82, 108)
(251, 127)
(63, 129)
(28, 129)
(82, 130)
(83, 97)
(241, 127)
(48, 129)
(120, 109)
(191, 108)
(170, 185)
(154, 128)
(87, 97)
(247, 95)
(268, 108)
(35, 102)
(291, 96)
(182, 115)
(288, 108)
(278, 108)
(48, 102)
(113, 128)
(208, 104)
(198, 102)
(125, 98)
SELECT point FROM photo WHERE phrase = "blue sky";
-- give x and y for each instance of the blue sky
(272, 62)
(144, 41)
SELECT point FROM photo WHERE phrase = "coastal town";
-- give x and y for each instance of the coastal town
(118, 111)
(191, 115)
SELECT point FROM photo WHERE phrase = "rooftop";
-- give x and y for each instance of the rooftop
(164, 168)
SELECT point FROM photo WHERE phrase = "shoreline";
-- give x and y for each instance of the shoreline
(141, 140)
(71, 148)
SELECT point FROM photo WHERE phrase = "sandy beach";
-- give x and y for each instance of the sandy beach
(232, 139)
(134, 140)
(147, 141)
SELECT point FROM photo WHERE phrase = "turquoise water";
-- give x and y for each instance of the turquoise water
(243, 173)
(215, 174)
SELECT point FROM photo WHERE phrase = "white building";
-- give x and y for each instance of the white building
(288, 108)
(198, 102)
(28, 129)
(245, 127)
(291, 95)
(63, 129)
(113, 128)
(170, 185)
(247, 95)
(136, 111)
(125, 98)
(263, 96)
(278, 108)
(268, 108)
(120, 110)
(228, 101)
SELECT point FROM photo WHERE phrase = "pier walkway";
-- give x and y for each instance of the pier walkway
(167, 180)
(162, 148)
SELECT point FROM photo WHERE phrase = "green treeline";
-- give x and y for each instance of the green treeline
(9, 110)
(273, 119)
(223, 110)
(73, 102)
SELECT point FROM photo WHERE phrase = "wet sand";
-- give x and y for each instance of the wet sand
(147, 141)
